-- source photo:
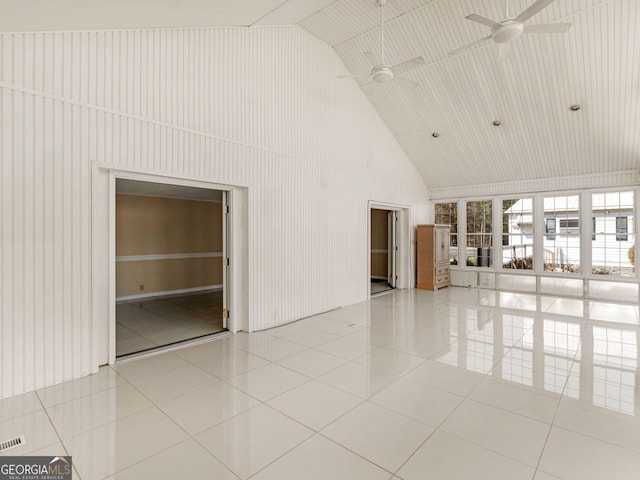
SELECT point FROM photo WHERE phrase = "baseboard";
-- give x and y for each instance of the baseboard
(167, 292)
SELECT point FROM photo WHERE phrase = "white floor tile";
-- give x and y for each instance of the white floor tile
(358, 379)
(378, 434)
(321, 459)
(312, 363)
(540, 475)
(445, 456)
(19, 405)
(173, 383)
(86, 413)
(345, 348)
(336, 327)
(421, 402)
(572, 456)
(209, 406)
(37, 429)
(266, 382)
(246, 341)
(422, 342)
(230, 362)
(113, 447)
(512, 435)
(143, 368)
(565, 306)
(600, 423)
(204, 350)
(373, 336)
(105, 379)
(276, 349)
(310, 338)
(391, 360)
(252, 440)
(523, 400)
(446, 377)
(314, 404)
(186, 460)
(367, 384)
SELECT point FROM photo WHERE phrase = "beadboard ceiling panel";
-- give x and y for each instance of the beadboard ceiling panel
(459, 97)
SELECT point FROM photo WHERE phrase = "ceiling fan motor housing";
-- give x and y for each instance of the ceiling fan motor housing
(509, 31)
(382, 74)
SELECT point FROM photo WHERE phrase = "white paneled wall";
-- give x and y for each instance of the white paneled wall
(256, 107)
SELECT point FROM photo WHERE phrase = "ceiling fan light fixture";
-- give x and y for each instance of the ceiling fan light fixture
(435, 134)
(507, 32)
(575, 107)
(382, 74)
(497, 123)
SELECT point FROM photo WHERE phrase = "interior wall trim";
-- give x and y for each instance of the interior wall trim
(166, 256)
(168, 292)
(576, 182)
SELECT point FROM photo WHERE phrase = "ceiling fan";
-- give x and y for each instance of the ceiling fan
(383, 73)
(510, 28)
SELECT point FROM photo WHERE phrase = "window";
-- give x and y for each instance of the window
(569, 226)
(550, 227)
(612, 249)
(562, 246)
(621, 229)
(517, 233)
(447, 214)
(479, 233)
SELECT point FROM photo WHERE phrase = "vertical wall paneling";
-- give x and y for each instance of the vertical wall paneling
(260, 109)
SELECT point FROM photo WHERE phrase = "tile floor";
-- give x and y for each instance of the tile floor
(458, 384)
(378, 286)
(145, 324)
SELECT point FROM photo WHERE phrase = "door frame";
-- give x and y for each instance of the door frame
(403, 242)
(104, 242)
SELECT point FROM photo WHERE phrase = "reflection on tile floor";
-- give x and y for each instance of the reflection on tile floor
(145, 324)
(378, 286)
(458, 384)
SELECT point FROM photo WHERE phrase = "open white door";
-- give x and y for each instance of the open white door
(392, 219)
(225, 258)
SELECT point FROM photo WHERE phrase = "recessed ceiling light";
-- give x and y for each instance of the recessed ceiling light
(497, 123)
(575, 107)
(435, 134)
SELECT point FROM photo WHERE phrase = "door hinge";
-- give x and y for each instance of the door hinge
(227, 208)
(226, 313)
(228, 262)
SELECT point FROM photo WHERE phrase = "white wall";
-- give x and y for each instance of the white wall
(259, 108)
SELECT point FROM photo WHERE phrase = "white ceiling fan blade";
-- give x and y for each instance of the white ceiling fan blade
(470, 45)
(414, 62)
(547, 28)
(474, 17)
(403, 82)
(533, 9)
(372, 59)
(503, 51)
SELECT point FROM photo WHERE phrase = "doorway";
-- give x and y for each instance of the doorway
(383, 250)
(171, 264)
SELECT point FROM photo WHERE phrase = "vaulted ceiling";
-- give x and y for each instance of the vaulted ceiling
(458, 97)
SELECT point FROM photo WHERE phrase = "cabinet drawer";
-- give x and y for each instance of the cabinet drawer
(442, 280)
(442, 269)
